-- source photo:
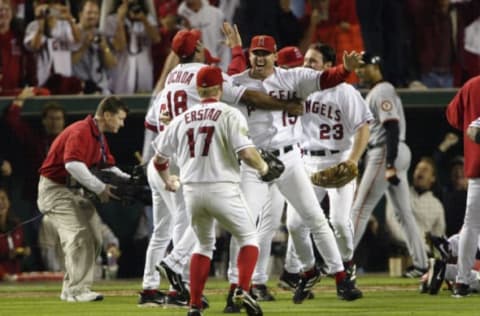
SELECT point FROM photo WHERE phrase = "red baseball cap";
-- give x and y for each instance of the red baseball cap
(185, 42)
(209, 76)
(209, 59)
(263, 42)
(290, 56)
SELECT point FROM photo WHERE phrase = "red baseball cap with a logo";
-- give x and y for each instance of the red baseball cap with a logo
(263, 42)
(290, 56)
(185, 42)
(209, 76)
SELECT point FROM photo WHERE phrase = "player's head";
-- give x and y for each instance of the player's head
(89, 13)
(289, 57)
(6, 14)
(111, 114)
(188, 46)
(209, 82)
(319, 57)
(262, 56)
(370, 72)
(53, 118)
(424, 175)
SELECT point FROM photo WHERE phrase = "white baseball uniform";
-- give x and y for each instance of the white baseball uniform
(56, 52)
(173, 221)
(281, 133)
(385, 105)
(205, 140)
(134, 69)
(331, 120)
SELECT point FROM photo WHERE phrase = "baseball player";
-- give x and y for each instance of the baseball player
(463, 113)
(206, 140)
(335, 129)
(178, 95)
(387, 161)
(280, 134)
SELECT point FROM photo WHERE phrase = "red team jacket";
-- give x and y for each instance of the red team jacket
(465, 108)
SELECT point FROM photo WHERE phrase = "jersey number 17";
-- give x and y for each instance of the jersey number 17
(208, 131)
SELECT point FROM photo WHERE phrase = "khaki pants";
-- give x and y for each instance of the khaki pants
(75, 219)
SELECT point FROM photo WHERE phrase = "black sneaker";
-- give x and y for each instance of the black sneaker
(194, 311)
(441, 244)
(351, 270)
(242, 298)
(146, 299)
(288, 281)
(304, 287)
(414, 272)
(205, 302)
(461, 290)
(261, 293)
(231, 307)
(177, 300)
(174, 278)
(436, 275)
(347, 291)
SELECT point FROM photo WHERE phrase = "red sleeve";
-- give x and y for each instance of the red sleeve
(333, 76)
(76, 148)
(22, 130)
(238, 63)
(455, 111)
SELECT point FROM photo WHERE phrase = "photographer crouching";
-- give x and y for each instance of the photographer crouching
(93, 57)
(52, 36)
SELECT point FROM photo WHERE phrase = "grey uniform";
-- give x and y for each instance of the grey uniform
(385, 105)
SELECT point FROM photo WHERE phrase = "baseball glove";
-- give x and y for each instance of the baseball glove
(335, 176)
(275, 166)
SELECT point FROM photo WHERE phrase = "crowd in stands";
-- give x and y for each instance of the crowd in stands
(121, 46)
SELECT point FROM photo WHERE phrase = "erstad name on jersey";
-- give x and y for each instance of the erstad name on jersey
(202, 114)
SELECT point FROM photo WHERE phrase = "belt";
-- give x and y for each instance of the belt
(320, 152)
(284, 150)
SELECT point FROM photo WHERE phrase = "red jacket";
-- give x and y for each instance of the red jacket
(465, 108)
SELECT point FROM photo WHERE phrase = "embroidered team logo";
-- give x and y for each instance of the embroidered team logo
(386, 106)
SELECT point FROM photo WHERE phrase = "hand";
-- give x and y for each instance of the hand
(114, 251)
(294, 107)
(473, 133)
(352, 60)
(391, 176)
(165, 117)
(6, 168)
(106, 194)
(64, 12)
(232, 36)
(122, 10)
(449, 140)
(172, 184)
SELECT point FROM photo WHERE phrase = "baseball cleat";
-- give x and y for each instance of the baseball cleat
(288, 281)
(441, 244)
(261, 293)
(461, 290)
(347, 291)
(304, 287)
(231, 308)
(242, 298)
(414, 272)
(351, 270)
(175, 299)
(194, 311)
(151, 299)
(174, 278)
(87, 296)
(436, 276)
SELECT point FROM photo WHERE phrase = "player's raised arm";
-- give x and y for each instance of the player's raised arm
(338, 74)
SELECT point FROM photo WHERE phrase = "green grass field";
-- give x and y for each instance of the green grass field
(382, 296)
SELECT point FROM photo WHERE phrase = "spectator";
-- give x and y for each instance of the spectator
(52, 255)
(12, 243)
(427, 209)
(34, 144)
(168, 18)
(93, 56)
(196, 14)
(52, 36)
(433, 38)
(12, 57)
(132, 29)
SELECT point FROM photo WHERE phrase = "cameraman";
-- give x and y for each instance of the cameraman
(93, 56)
(132, 30)
(51, 36)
